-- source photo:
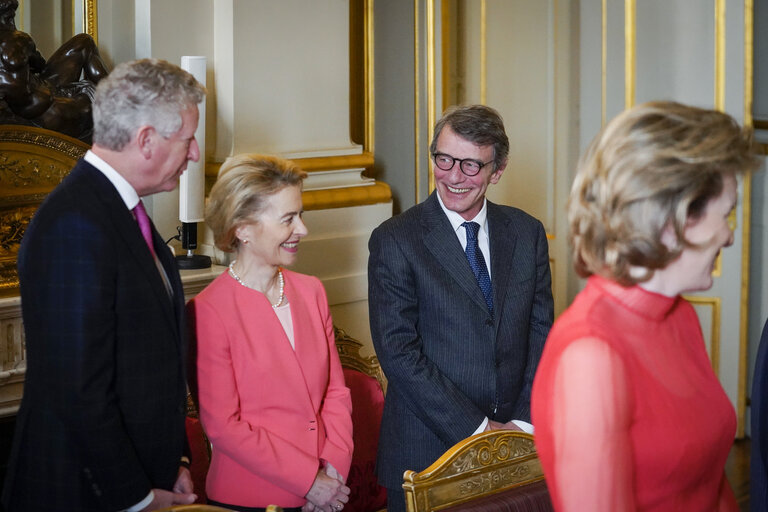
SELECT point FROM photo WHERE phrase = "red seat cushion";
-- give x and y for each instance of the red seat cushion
(199, 455)
(367, 407)
(527, 498)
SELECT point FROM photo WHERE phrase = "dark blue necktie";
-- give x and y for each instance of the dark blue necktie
(477, 263)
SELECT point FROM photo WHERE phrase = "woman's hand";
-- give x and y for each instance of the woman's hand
(327, 494)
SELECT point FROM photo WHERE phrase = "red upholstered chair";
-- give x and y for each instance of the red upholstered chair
(367, 385)
(200, 450)
(497, 471)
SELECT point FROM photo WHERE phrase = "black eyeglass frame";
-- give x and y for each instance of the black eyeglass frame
(461, 163)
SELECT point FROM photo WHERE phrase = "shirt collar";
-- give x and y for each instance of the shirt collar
(126, 191)
(457, 220)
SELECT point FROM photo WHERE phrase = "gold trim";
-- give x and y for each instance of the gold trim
(720, 55)
(431, 79)
(326, 199)
(715, 304)
(604, 69)
(91, 20)
(483, 52)
(368, 64)
(630, 41)
(555, 113)
(317, 164)
(746, 234)
(416, 102)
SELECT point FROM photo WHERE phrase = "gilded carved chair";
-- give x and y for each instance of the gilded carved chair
(491, 471)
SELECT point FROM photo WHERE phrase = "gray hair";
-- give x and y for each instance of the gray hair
(479, 124)
(146, 92)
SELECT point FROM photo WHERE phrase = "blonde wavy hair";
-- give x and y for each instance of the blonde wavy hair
(244, 183)
(654, 165)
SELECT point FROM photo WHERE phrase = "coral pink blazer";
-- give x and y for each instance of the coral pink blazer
(273, 414)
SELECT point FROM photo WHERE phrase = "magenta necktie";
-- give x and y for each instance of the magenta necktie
(146, 228)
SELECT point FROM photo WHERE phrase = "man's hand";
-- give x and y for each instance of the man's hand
(184, 484)
(495, 425)
(165, 499)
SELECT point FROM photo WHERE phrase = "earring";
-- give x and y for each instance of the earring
(245, 241)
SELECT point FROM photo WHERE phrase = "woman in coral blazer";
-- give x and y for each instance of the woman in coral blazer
(271, 389)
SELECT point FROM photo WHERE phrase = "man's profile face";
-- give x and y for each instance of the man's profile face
(174, 152)
(461, 193)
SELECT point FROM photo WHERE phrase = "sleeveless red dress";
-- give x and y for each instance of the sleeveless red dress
(627, 410)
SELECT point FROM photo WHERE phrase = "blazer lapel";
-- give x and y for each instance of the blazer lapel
(502, 242)
(442, 242)
(127, 228)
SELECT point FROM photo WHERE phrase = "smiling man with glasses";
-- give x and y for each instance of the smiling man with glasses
(460, 303)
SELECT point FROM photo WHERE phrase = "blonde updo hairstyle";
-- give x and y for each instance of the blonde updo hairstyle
(654, 165)
(244, 183)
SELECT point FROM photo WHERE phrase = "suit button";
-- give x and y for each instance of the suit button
(489, 322)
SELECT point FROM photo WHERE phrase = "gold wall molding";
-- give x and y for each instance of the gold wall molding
(716, 304)
(746, 233)
(720, 55)
(604, 60)
(91, 19)
(326, 199)
(370, 102)
(431, 80)
(417, 102)
(483, 52)
(630, 52)
(316, 164)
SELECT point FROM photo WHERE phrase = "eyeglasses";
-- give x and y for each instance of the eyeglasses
(468, 166)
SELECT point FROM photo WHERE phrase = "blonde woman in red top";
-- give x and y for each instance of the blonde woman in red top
(629, 415)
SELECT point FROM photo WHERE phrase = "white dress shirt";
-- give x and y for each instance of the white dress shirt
(483, 243)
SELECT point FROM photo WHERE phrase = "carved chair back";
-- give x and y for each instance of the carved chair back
(497, 470)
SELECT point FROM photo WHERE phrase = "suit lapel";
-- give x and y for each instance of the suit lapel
(127, 229)
(442, 242)
(502, 242)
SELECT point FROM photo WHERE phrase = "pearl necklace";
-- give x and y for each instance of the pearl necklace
(279, 278)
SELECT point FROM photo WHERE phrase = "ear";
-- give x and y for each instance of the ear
(496, 176)
(240, 232)
(669, 238)
(145, 140)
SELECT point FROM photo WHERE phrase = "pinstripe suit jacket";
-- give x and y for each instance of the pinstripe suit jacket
(101, 421)
(449, 363)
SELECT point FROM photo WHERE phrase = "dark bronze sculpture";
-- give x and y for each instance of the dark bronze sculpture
(54, 94)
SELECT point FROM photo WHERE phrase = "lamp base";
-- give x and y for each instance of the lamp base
(193, 261)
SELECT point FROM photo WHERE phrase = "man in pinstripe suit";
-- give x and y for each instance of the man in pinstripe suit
(460, 303)
(101, 422)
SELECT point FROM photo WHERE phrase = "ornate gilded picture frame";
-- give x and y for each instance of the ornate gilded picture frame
(32, 162)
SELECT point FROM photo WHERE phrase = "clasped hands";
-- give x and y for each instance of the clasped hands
(328, 492)
(495, 425)
(180, 495)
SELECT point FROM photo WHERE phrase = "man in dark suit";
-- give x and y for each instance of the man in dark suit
(101, 422)
(460, 303)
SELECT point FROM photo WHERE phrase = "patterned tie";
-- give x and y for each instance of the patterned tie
(477, 263)
(146, 228)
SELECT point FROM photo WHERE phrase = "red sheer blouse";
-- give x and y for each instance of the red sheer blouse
(628, 412)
